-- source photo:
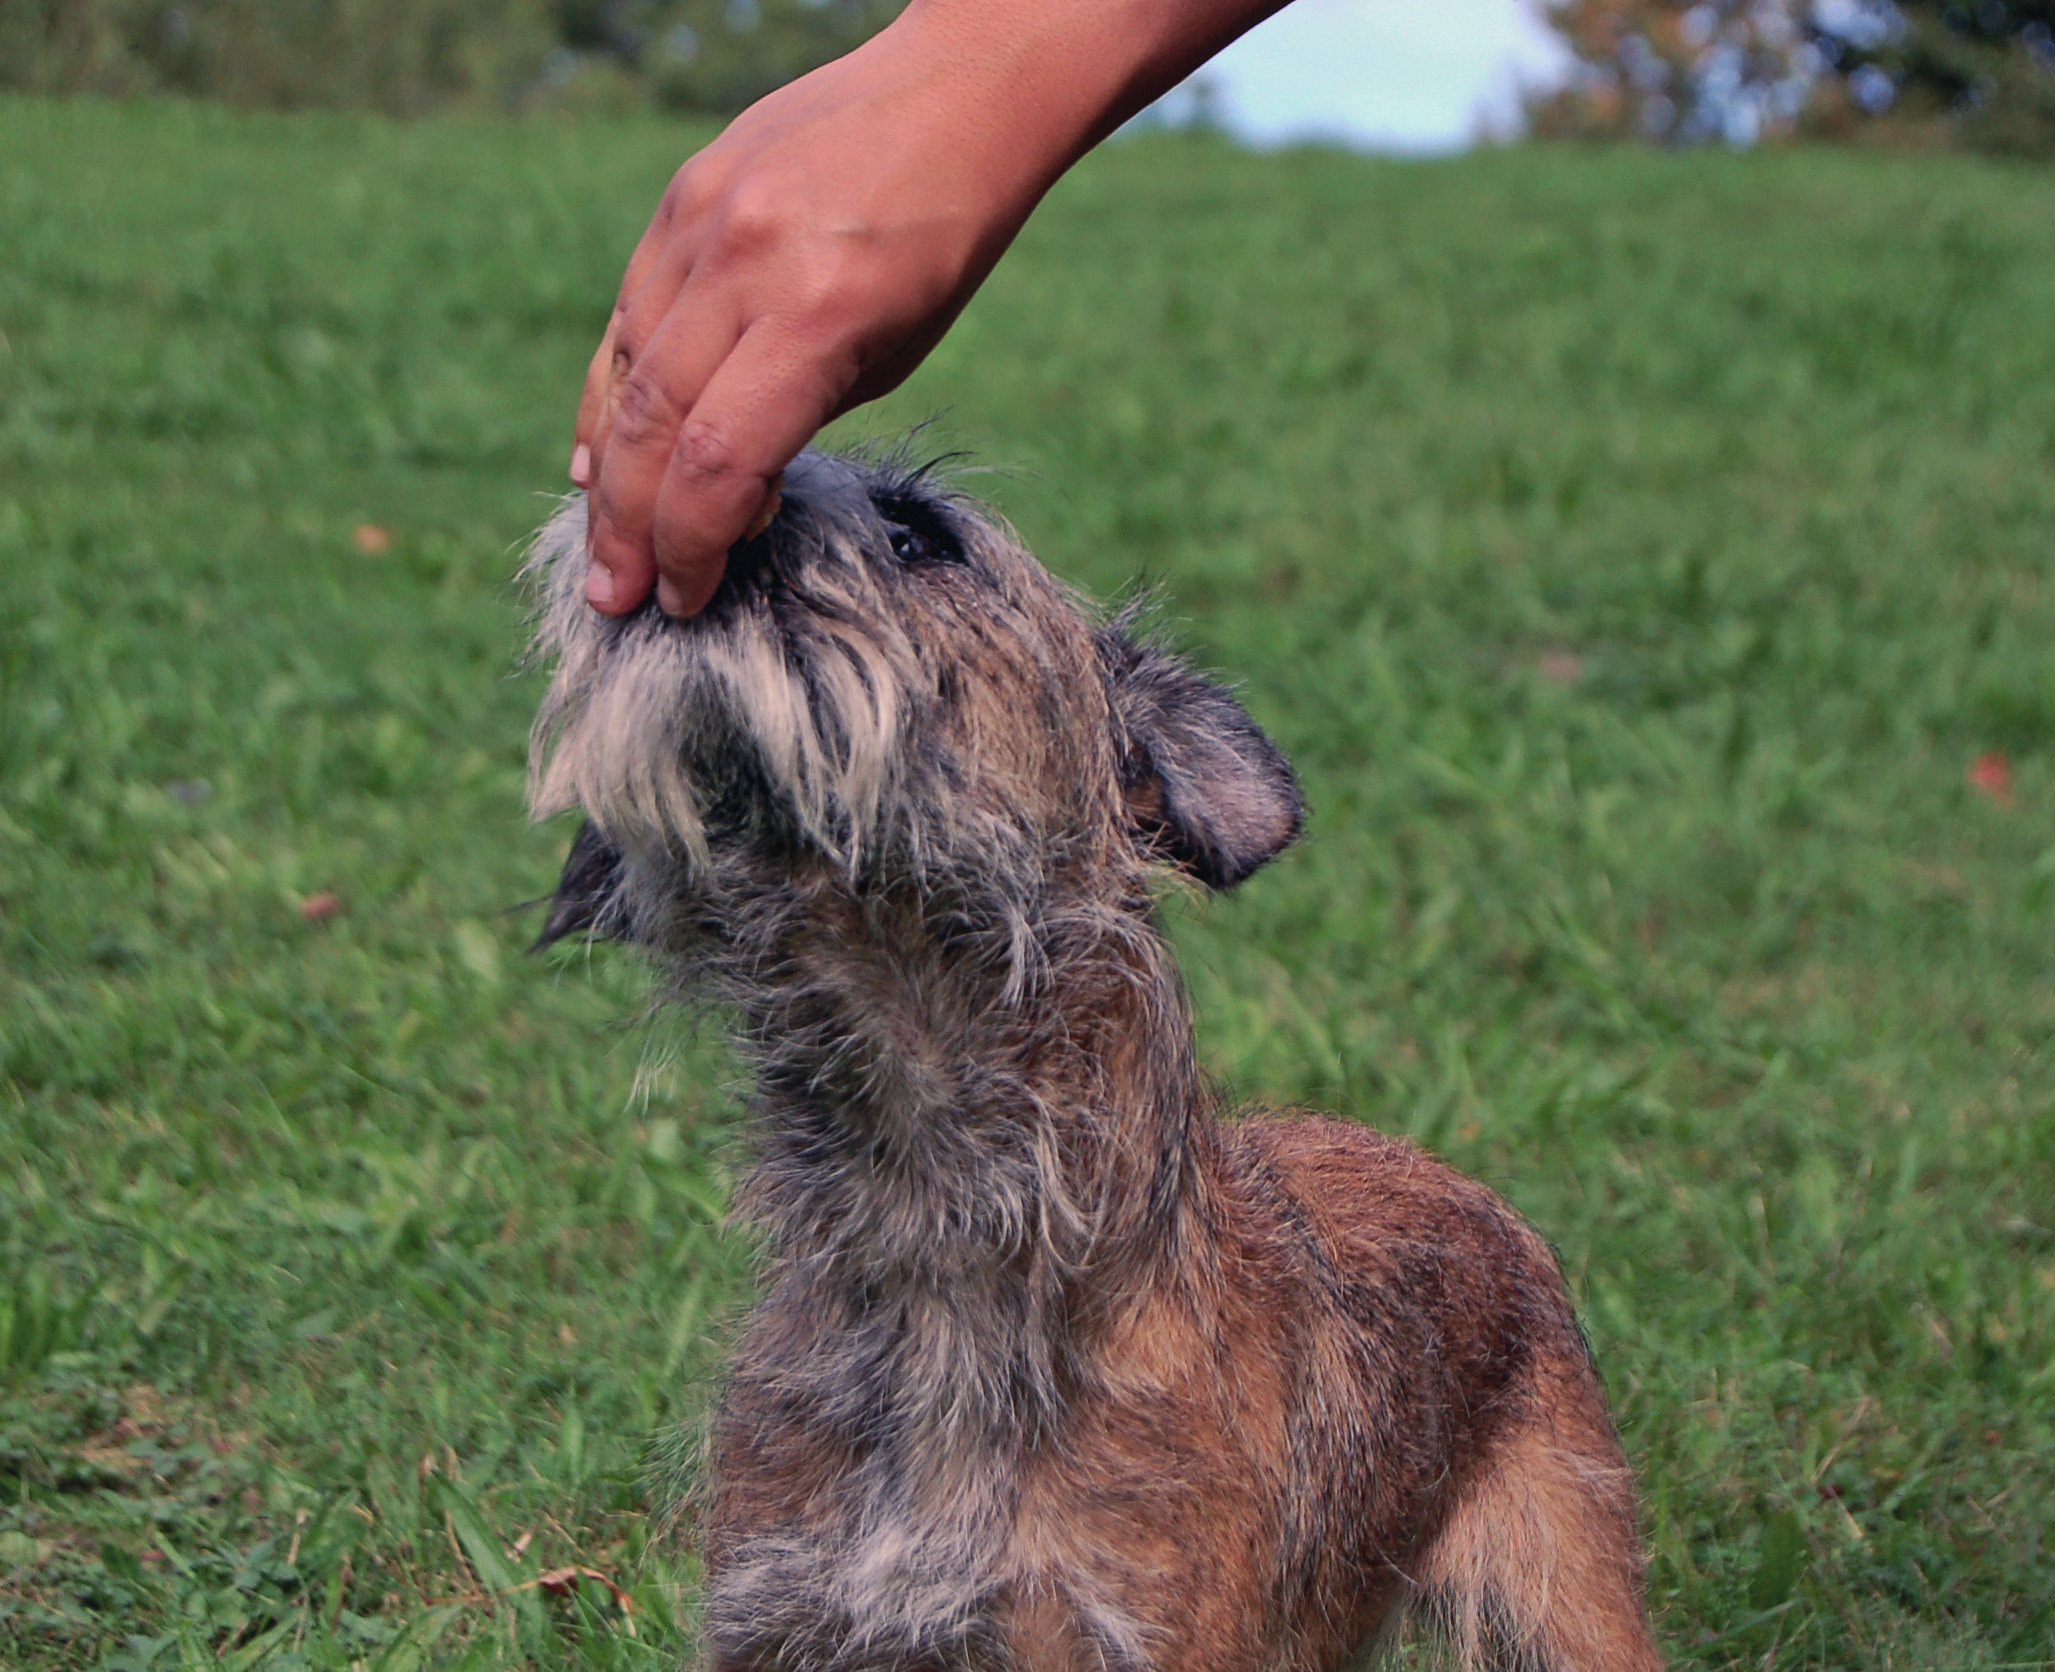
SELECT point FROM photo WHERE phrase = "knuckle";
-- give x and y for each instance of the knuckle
(611, 539)
(706, 450)
(753, 217)
(643, 411)
(629, 332)
(689, 192)
(697, 179)
(626, 337)
(693, 190)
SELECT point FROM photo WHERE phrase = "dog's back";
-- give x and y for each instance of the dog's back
(1359, 1395)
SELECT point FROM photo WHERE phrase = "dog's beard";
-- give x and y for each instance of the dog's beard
(791, 702)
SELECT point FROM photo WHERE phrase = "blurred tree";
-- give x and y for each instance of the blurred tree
(717, 56)
(1738, 70)
(1983, 71)
(1720, 69)
(713, 56)
(397, 55)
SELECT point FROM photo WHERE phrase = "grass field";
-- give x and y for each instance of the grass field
(1638, 553)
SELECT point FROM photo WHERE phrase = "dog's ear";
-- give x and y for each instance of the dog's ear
(588, 898)
(1205, 788)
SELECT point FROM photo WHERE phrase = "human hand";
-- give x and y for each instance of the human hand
(809, 258)
(803, 263)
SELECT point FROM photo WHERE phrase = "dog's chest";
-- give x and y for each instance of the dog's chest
(862, 1490)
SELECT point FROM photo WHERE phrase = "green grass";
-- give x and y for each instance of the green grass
(1635, 552)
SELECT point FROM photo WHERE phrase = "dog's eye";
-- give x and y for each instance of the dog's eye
(911, 547)
(915, 542)
(920, 532)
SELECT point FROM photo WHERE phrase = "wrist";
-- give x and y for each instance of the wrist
(1046, 80)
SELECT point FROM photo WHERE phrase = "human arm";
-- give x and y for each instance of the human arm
(809, 258)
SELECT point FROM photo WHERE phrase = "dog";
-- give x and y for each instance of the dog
(1054, 1370)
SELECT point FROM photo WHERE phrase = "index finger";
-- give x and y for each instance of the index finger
(641, 430)
(657, 269)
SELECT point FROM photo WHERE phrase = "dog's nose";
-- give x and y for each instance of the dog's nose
(752, 566)
(749, 562)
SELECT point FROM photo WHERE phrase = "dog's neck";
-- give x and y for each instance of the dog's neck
(977, 1134)
(939, 1093)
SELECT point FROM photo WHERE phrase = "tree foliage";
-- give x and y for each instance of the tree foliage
(1738, 70)
(412, 55)
(1720, 69)
(1986, 71)
(720, 55)
(399, 55)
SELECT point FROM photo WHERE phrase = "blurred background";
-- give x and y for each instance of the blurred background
(1385, 74)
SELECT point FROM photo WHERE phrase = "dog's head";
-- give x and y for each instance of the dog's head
(887, 689)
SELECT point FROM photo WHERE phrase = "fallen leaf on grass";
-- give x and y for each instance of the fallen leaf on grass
(563, 1582)
(319, 908)
(1990, 775)
(371, 539)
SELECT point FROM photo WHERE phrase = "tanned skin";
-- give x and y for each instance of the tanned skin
(808, 259)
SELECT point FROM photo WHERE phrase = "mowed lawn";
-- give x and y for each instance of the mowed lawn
(1648, 559)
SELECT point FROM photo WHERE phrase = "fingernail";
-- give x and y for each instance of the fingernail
(668, 598)
(581, 465)
(599, 587)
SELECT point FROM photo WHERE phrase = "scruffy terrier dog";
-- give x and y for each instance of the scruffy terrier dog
(1053, 1371)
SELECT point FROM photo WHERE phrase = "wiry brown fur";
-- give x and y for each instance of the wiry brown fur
(1053, 1371)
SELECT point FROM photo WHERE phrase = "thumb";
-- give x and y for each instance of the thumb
(591, 402)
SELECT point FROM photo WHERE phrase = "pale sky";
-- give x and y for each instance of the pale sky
(1406, 75)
